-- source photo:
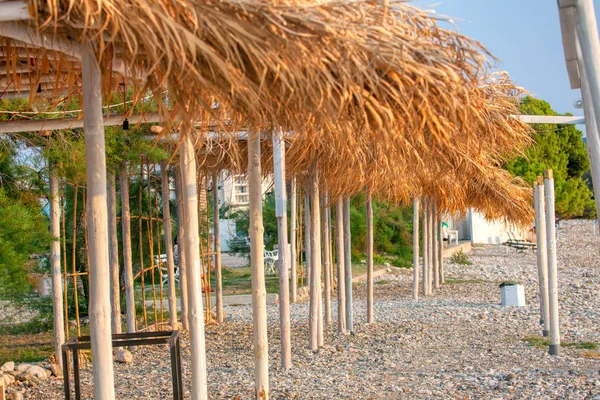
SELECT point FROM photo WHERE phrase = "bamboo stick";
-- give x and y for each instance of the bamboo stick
(293, 238)
(370, 318)
(259, 303)
(141, 243)
(99, 309)
(57, 288)
(552, 261)
(115, 295)
(282, 240)
(150, 233)
(339, 241)
(348, 265)
(127, 253)
(416, 249)
(192, 249)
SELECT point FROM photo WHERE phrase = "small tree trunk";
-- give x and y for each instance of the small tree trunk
(259, 295)
(348, 265)
(339, 251)
(115, 294)
(542, 253)
(307, 231)
(192, 249)
(183, 274)
(552, 269)
(370, 318)
(425, 253)
(315, 270)
(57, 287)
(166, 196)
(435, 247)
(440, 252)
(127, 255)
(293, 250)
(95, 156)
(430, 240)
(326, 265)
(282, 239)
(416, 249)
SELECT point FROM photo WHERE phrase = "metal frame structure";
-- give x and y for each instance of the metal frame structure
(122, 340)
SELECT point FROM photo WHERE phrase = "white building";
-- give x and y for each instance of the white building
(475, 228)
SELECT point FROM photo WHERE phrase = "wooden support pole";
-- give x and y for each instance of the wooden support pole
(348, 265)
(283, 246)
(183, 274)
(370, 318)
(435, 247)
(259, 295)
(339, 252)
(95, 157)
(440, 252)
(307, 230)
(115, 293)
(430, 239)
(293, 250)
(127, 254)
(552, 263)
(542, 252)
(166, 197)
(416, 249)
(425, 236)
(217, 244)
(191, 241)
(57, 286)
(315, 260)
(326, 246)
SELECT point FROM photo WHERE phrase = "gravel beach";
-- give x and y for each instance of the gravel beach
(457, 344)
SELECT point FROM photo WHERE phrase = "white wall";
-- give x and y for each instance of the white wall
(491, 232)
(226, 232)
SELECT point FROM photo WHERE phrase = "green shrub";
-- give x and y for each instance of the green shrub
(460, 258)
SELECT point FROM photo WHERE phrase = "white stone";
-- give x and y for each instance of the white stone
(512, 295)
(124, 356)
(9, 366)
(22, 367)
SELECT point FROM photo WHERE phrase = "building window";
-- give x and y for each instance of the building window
(242, 189)
(241, 198)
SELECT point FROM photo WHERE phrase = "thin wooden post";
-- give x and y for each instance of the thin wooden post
(348, 265)
(441, 252)
(127, 255)
(192, 249)
(307, 230)
(425, 238)
(430, 239)
(95, 157)
(326, 247)
(115, 293)
(542, 252)
(416, 249)
(339, 252)
(183, 274)
(282, 240)
(435, 246)
(217, 244)
(552, 268)
(293, 238)
(259, 295)
(166, 200)
(57, 285)
(315, 270)
(370, 318)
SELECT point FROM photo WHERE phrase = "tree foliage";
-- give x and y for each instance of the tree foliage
(560, 148)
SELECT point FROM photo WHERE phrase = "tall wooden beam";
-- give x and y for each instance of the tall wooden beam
(217, 244)
(370, 317)
(183, 286)
(348, 265)
(57, 286)
(542, 252)
(166, 197)
(339, 252)
(293, 238)
(552, 263)
(115, 293)
(127, 254)
(416, 249)
(97, 217)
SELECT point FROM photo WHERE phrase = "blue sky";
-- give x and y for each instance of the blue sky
(525, 36)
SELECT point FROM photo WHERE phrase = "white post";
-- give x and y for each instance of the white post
(192, 249)
(339, 252)
(293, 250)
(542, 252)
(552, 267)
(127, 255)
(326, 265)
(57, 287)
(348, 265)
(315, 259)
(115, 293)
(282, 239)
(416, 249)
(370, 318)
(217, 244)
(183, 274)
(259, 295)
(166, 197)
(435, 247)
(97, 217)
(425, 252)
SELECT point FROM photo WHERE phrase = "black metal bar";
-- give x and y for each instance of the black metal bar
(174, 370)
(76, 375)
(65, 361)
(179, 372)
